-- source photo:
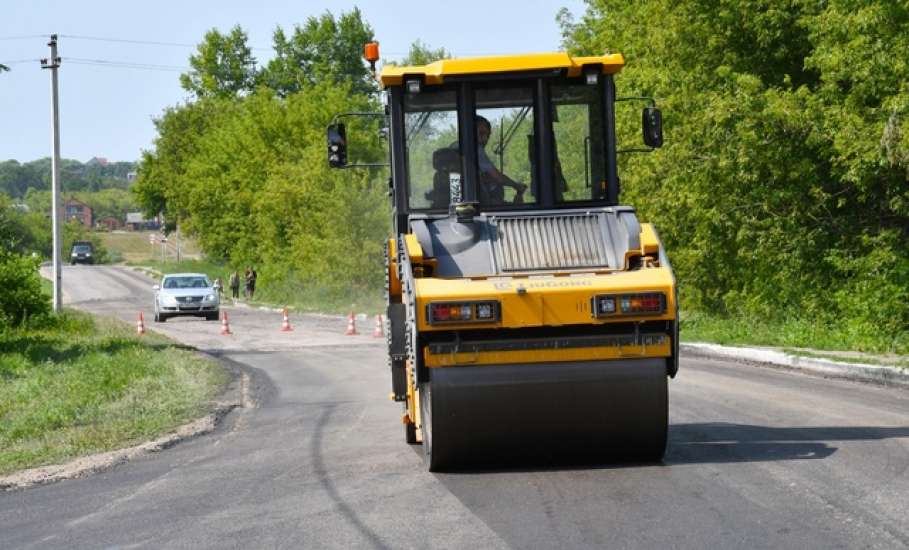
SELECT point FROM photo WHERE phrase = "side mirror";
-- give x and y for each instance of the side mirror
(652, 125)
(337, 146)
(156, 288)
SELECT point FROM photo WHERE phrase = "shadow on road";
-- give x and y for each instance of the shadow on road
(324, 475)
(716, 442)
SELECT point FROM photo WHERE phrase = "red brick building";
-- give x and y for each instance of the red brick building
(77, 210)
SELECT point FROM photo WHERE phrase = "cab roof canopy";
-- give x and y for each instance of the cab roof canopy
(437, 72)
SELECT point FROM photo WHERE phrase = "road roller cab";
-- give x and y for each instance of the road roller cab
(532, 315)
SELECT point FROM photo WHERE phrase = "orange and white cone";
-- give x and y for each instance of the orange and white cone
(351, 325)
(379, 332)
(285, 325)
(140, 324)
(225, 325)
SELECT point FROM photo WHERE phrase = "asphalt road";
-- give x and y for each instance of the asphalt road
(758, 458)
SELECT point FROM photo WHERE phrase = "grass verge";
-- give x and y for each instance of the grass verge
(901, 361)
(134, 246)
(86, 385)
(788, 333)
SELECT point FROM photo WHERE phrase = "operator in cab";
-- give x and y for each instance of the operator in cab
(492, 181)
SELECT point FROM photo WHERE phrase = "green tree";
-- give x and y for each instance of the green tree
(22, 298)
(23, 232)
(161, 186)
(223, 66)
(325, 48)
(422, 54)
(782, 188)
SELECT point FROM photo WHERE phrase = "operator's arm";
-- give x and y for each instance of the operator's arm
(504, 180)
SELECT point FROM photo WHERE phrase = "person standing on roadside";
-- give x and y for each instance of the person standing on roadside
(219, 286)
(235, 285)
(252, 284)
(247, 280)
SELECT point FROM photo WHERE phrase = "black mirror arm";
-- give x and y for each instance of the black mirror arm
(650, 101)
(337, 118)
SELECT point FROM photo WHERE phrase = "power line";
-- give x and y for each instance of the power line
(124, 64)
(20, 61)
(143, 42)
(25, 36)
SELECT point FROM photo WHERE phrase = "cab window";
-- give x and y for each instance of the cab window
(432, 151)
(578, 161)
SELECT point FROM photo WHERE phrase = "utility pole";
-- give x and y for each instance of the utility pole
(53, 63)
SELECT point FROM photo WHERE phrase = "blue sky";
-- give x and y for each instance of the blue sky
(107, 111)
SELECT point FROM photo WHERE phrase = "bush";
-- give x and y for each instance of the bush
(22, 298)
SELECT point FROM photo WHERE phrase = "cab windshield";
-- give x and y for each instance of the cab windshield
(505, 146)
(504, 118)
(186, 282)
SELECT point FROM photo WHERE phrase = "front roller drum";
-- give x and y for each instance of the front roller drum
(545, 414)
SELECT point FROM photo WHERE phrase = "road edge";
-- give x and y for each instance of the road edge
(877, 374)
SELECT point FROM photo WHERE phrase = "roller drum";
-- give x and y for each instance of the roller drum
(545, 414)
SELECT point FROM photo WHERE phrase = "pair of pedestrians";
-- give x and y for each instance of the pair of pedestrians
(249, 284)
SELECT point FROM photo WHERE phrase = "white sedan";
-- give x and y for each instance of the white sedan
(186, 294)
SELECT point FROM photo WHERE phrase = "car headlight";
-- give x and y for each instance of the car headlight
(169, 300)
(210, 298)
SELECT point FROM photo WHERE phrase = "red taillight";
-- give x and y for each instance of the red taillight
(439, 312)
(463, 312)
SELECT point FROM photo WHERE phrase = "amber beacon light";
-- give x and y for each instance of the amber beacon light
(371, 53)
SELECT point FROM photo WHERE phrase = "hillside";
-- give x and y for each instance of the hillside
(17, 178)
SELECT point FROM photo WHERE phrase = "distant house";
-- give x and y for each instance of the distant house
(77, 210)
(109, 222)
(99, 160)
(135, 221)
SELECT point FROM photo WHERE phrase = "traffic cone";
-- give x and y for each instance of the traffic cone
(285, 326)
(379, 332)
(225, 325)
(140, 325)
(351, 325)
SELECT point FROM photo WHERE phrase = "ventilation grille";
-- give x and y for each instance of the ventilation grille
(550, 242)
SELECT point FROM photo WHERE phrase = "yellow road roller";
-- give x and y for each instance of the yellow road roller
(532, 318)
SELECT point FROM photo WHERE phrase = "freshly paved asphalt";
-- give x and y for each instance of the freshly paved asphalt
(758, 458)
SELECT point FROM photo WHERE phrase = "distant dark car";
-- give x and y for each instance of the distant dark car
(83, 252)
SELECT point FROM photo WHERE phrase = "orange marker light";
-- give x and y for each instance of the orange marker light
(371, 52)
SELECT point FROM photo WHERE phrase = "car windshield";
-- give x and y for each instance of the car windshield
(82, 249)
(186, 282)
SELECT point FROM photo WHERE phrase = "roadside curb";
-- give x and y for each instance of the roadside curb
(893, 376)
